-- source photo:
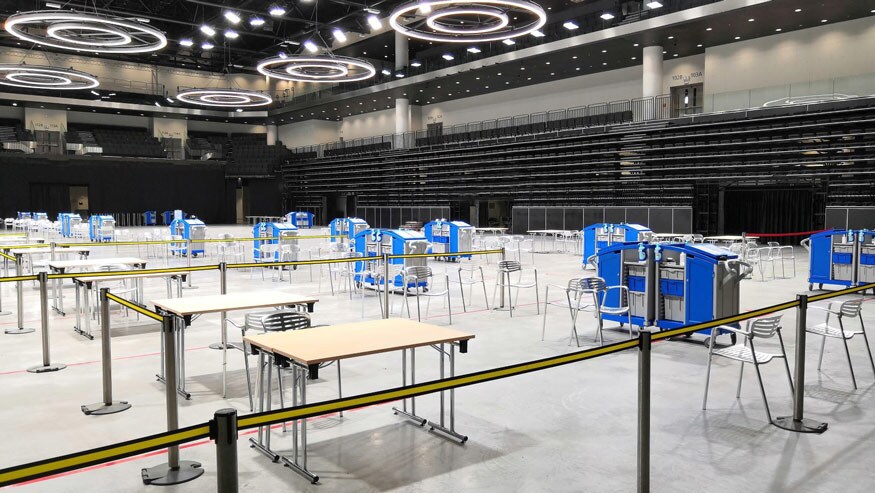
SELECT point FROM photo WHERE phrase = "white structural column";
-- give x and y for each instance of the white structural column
(652, 77)
(402, 121)
(402, 55)
(271, 134)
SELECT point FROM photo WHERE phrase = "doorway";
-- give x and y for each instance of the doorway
(79, 200)
(686, 100)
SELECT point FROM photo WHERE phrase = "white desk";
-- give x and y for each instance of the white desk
(62, 266)
(184, 309)
(544, 233)
(305, 350)
(495, 231)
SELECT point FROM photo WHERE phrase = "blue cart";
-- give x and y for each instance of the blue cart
(347, 227)
(375, 242)
(301, 219)
(449, 237)
(832, 256)
(602, 235)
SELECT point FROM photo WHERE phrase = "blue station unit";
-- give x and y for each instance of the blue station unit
(376, 242)
(150, 218)
(450, 237)
(169, 216)
(40, 216)
(833, 256)
(188, 229)
(630, 265)
(348, 227)
(25, 215)
(301, 219)
(602, 235)
(101, 228)
(69, 221)
(866, 263)
(274, 234)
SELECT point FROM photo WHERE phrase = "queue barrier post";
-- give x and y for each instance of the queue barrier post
(223, 430)
(107, 406)
(797, 422)
(501, 295)
(173, 471)
(47, 365)
(644, 345)
(19, 295)
(385, 285)
(188, 254)
(6, 273)
(223, 289)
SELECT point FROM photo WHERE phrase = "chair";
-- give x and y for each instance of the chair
(762, 328)
(372, 273)
(600, 291)
(841, 310)
(787, 253)
(580, 294)
(504, 280)
(119, 288)
(465, 273)
(422, 280)
(343, 270)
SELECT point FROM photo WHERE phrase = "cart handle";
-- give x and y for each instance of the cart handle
(806, 243)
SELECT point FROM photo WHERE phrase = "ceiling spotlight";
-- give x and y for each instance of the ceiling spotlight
(509, 42)
(95, 93)
(424, 8)
(473, 49)
(207, 46)
(276, 11)
(400, 75)
(448, 57)
(798, 10)
(570, 25)
(209, 31)
(186, 42)
(283, 55)
(53, 5)
(239, 110)
(157, 104)
(169, 100)
(256, 22)
(415, 64)
(607, 16)
(339, 35)
(231, 34)
(311, 46)
(653, 5)
(374, 22)
(232, 17)
(385, 72)
(537, 34)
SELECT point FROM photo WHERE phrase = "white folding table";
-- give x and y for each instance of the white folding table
(62, 266)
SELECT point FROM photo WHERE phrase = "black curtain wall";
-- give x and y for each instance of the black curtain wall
(769, 211)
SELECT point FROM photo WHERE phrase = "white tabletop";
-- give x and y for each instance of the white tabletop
(549, 231)
(39, 251)
(69, 264)
(193, 305)
(116, 277)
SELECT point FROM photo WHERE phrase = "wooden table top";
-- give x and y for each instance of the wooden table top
(342, 341)
(194, 305)
(95, 262)
(92, 278)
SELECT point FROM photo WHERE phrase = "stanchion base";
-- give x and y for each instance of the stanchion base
(4, 313)
(44, 369)
(189, 287)
(164, 475)
(19, 330)
(230, 345)
(101, 408)
(801, 426)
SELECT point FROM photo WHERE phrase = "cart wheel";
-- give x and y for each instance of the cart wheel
(810, 287)
(821, 286)
(733, 337)
(707, 342)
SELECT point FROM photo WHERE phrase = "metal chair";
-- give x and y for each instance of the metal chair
(504, 280)
(373, 274)
(343, 270)
(787, 253)
(845, 309)
(422, 279)
(600, 291)
(465, 274)
(580, 295)
(758, 328)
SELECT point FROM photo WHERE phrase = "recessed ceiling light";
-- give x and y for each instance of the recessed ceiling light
(207, 46)
(374, 22)
(823, 20)
(339, 35)
(698, 46)
(400, 75)
(256, 22)
(415, 64)
(448, 57)
(607, 16)
(186, 42)
(552, 73)
(232, 17)
(778, 30)
(750, 20)
(800, 10)
(570, 25)
(671, 37)
(473, 49)
(604, 63)
(209, 31)
(509, 42)
(675, 54)
(276, 11)
(604, 51)
(537, 34)
(548, 63)
(708, 29)
(634, 58)
(738, 37)
(653, 5)
(385, 71)
(230, 34)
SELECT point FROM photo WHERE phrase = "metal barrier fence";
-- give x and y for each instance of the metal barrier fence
(225, 425)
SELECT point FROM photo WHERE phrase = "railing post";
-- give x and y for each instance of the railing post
(44, 328)
(223, 430)
(644, 345)
(797, 422)
(19, 295)
(174, 471)
(385, 285)
(107, 406)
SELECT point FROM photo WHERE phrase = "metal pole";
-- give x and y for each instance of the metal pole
(385, 285)
(501, 295)
(6, 272)
(19, 295)
(174, 471)
(188, 252)
(223, 289)
(644, 411)
(224, 433)
(798, 423)
(44, 326)
(107, 406)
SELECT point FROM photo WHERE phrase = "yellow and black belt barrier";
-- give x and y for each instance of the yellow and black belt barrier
(135, 307)
(7, 256)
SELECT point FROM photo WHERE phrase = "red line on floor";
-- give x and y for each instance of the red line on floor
(97, 361)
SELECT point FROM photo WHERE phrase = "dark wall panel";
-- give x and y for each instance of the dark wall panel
(537, 218)
(555, 218)
(396, 218)
(637, 215)
(520, 220)
(861, 218)
(384, 218)
(660, 220)
(573, 218)
(683, 221)
(615, 215)
(836, 218)
(265, 197)
(593, 215)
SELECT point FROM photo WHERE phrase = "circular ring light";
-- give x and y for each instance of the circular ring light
(317, 68)
(97, 33)
(432, 20)
(224, 98)
(428, 26)
(44, 77)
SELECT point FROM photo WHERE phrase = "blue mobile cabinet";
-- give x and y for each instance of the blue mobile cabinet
(301, 219)
(24, 215)
(450, 237)
(40, 216)
(69, 221)
(630, 265)
(150, 218)
(188, 229)
(831, 255)
(602, 235)
(348, 227)
(866, 257)
(279, 234)
(376, 242)
(169, 216)
(101, 228)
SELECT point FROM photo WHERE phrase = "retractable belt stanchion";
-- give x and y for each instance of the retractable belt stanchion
(501, 297)
(19, 295)
(644, 346)
(44, 323)
(385, 285)
(6, 272)
(188, 254)
(223, 430)
(108, 406)
(798, 422)
(174, 471)
(223, 286)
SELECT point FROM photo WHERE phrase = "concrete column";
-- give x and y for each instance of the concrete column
(402, 121)
(271, 134)
(652, 80)
(402, 56)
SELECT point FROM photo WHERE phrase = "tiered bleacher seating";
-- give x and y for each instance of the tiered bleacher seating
(14, 137)
(358, 149)
(249, 155)
(119, 141)
(201, 145)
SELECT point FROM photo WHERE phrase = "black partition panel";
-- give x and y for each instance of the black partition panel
(555, 218)
(537, 218)
(520, 220)
(836, 218)
(615, 215)
(369, 215)
(861, 218)
(637, 215)
(683, 220)
(573, 218)
(385, 217)
(593, 215)
(660, 220)
(395, 218)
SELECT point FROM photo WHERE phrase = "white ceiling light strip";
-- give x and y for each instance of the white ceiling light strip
(461, 21)
(45, 77)
(77, 31)
(224, 98)
(326, 68)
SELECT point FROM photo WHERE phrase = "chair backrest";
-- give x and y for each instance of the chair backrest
(851, 308)
(593, 284)
(284, 320)
(509, 266)
(417, 272)
(764, 327)
(773, 244)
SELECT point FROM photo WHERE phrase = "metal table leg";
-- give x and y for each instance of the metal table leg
(441, 427)
(299, 382)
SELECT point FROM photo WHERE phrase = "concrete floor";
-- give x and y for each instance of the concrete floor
(572, 428)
